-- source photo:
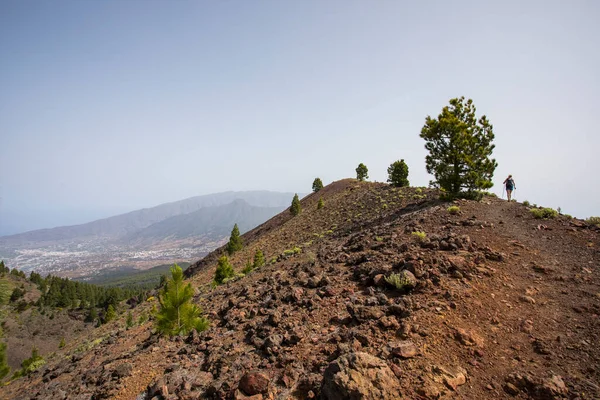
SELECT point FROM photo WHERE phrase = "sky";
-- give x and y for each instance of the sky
(111, 106)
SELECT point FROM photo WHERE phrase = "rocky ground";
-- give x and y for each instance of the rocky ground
(496, 304)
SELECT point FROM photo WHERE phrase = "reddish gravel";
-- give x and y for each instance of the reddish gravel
(504, 306)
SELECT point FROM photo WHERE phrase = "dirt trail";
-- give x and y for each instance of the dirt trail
(540, 310)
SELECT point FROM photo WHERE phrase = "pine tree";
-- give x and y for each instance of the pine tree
(16, 294)
(460, 147)
(224, 270)
(398, 173)
(320, 204)
(110, 314)
(4, 368)
(129, 320)
(35, 278)
(362, 172)
(235, 241)
(163, 280)
(317, 185)
(92, 315)
(177, 315)
(259, 259)
(296, 208)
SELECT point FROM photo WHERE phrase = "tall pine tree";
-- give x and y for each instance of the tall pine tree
(460, 148)
(177, 314)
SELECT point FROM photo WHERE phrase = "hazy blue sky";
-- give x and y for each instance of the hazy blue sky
(110, 106)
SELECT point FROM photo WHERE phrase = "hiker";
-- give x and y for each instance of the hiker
(510, 185)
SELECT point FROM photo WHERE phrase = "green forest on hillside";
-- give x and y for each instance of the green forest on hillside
(130, 277)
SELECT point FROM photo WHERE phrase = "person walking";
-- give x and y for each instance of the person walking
(509, 183)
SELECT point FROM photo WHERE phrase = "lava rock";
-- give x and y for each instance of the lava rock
(359, 376)
(253, 383)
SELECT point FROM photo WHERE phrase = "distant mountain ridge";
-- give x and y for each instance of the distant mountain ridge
(215, 221)
(127, 224)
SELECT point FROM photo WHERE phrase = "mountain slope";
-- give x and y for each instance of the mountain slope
(215, 221)
(503, 306)
(128, 223)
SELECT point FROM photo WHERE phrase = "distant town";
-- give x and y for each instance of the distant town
(79, 259)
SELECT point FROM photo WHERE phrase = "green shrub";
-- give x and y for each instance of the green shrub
(234, 278)
(593, 221)
(419, 236)
(446, 196)
(290, 252)
(248, 268)
(87, 346)
(320, 204)
(224, 270)
(454, 210)
(30, 364)
(476, 195)
(526, 203)
(311, 258)
(398, 281)
(62, 343)
(543, 213)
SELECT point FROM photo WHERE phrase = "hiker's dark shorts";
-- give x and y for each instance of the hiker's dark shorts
(509, 188)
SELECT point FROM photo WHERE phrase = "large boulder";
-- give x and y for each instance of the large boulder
(359, 376)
